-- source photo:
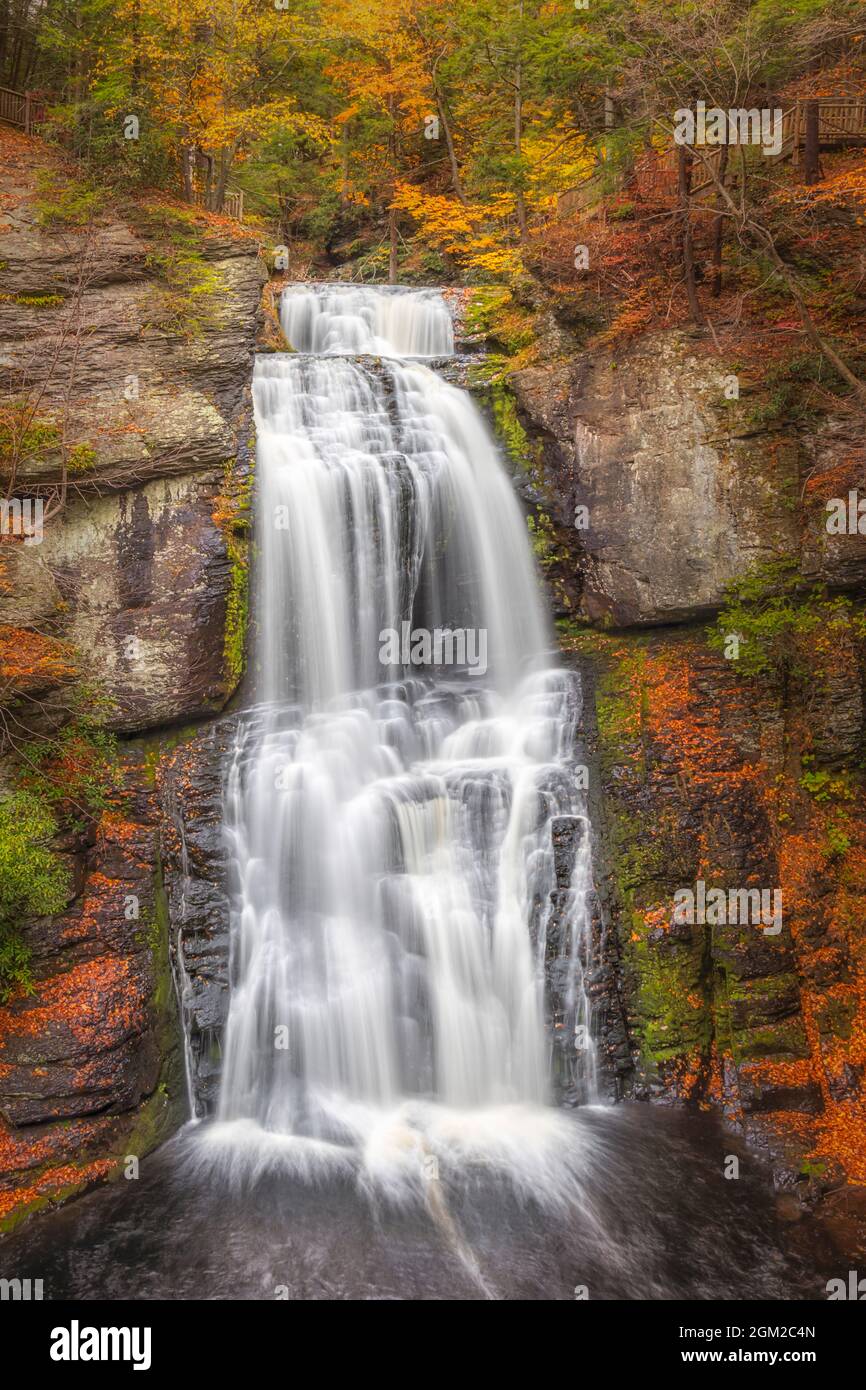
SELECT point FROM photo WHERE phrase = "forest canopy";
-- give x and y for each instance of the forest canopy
(459, 123)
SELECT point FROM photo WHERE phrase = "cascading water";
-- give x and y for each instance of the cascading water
(348, 319)
(391, 820)
(410, 934)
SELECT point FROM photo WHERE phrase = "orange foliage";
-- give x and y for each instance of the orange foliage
(30, 661)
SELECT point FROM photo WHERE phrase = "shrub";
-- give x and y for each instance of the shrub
(175, 256)
(70, 204)
(75, 773)
(781, 623)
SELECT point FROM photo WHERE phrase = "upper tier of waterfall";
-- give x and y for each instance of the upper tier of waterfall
(349, 320)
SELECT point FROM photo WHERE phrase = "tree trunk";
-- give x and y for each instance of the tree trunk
(518, 143)
(4, 34)
(136, 48)
(719, 230)
(219, 195)
(684, 182)
(811, 149)
(392, 212)
(518, 140)
(186, 171)
(392, 244)
(449, 141)
(208, 180)
(344, 165)
(226, 158)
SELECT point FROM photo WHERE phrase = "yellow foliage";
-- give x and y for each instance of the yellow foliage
(470, 233)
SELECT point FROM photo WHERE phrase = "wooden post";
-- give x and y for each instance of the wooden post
(811, 158)
(26, 113)
(186, 174)
(240, 205)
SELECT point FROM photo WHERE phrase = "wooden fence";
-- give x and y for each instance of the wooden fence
(233, 202)
(28, 111)
(840, 122)
(21, 108)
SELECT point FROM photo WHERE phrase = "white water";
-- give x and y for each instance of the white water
(390, 828)
(352, 319)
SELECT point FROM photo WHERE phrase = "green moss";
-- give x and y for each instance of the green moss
(24, 436)
(82, 458)
(543, 538)
(154, 747)
(234, 519)
(42, 1203)
(161, 1112)
(620, 715)
(487, 381)
(27, 439)
(813, 1168)
(776, 618)
(189, 305)
(514, 438)
(190, 300)
(784, 1041)
(672, 1005)
(33, 301)
(765, 988)
(237, 616)
(64, 202)
(835, 1018)
(826, 787)
(33, 881)
(482, 307)
(649, 854)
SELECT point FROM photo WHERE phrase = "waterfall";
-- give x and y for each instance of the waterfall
(352, 319)
(391, 802)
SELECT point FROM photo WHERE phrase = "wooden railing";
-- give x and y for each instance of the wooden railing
(21, 108)
(233, 202)
(840, 121)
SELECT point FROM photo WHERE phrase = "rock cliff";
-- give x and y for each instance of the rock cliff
(127, 331)
(672, 517)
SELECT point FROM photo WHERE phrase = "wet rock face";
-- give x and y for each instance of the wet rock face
(99, 1063)
(88, 1061)
(690, 769)
(136, 570)
(704, 776)
(683, 491)
(142, 580)
(151, 400)
(135, 597)
(100, 996)
(191, 784)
